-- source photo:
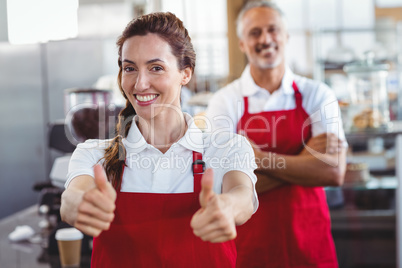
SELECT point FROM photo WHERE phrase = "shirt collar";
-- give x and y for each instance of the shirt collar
(135, 142)
(249, 87)
(287, 81)
(192, 139)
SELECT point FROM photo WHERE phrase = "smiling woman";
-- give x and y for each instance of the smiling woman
(153, 214)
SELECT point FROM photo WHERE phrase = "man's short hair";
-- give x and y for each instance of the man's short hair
(250, 5)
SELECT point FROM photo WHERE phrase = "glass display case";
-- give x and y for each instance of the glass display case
(365, 211)
(366, 214)
(332, 49)
(367, 85)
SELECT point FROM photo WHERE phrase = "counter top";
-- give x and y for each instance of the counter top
(27, 254)
(22, 254)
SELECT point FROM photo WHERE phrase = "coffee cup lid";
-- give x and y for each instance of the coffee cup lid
(68, 234)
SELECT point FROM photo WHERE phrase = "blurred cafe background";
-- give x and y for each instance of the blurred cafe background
(58, 65)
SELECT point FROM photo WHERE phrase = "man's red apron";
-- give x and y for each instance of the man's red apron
(153, 230)
(292, 225)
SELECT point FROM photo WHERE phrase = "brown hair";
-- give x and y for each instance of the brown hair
(170, 28)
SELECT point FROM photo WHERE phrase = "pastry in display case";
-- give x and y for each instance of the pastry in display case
(368, 118)
(357, 173)
(367, 85)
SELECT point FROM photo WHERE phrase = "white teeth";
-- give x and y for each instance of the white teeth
(269, 49)
(146, 98)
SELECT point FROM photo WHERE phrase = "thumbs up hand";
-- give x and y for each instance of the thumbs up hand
(102, 183)
(215, 220)
(96, 209)
(207, 184)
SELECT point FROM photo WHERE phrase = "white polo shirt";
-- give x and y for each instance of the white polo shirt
(150, 171)
(226, 107)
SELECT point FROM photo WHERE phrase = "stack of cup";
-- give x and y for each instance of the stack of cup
(69, 243)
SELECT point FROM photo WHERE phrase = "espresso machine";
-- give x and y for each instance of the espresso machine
(89, 114)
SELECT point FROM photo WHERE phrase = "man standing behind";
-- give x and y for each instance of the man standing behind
(299, 144)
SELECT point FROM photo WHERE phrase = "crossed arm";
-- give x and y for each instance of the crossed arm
(322, 162)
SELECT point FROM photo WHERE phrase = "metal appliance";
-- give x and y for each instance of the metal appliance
(89, 114)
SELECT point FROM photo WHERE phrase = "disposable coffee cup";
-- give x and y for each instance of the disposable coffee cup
(69, 242)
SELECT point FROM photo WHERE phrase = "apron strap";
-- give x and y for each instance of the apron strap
(245, 98)
(198, 170)
(298, 96)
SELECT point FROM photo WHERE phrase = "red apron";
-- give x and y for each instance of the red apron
(153, 230)
(291, 228)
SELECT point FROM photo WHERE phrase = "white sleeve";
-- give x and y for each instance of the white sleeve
(233, 152)
(84, 157)
(221, 114)
(326, 115)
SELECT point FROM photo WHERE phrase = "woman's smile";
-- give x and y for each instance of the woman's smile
(145, 99)
(150, 76)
